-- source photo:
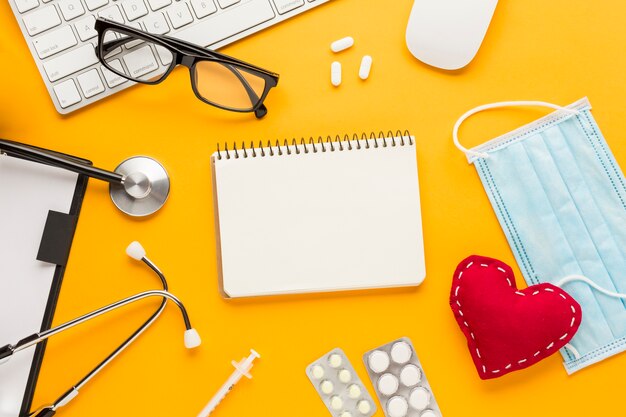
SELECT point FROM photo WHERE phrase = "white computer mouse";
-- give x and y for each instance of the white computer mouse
(448, 33)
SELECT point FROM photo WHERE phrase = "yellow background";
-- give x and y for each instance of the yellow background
(555, 50)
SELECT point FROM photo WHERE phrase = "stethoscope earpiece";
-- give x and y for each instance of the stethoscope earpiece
(137, 252)
(145, 186)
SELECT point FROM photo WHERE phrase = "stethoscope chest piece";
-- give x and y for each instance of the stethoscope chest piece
(145, 188)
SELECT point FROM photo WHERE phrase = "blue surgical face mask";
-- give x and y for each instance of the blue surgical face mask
(560, 197)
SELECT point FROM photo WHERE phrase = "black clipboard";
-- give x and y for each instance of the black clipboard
(54, 248)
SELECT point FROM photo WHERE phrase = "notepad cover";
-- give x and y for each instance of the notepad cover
(299, 222)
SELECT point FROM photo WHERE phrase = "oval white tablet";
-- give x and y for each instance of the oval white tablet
(428, 413)
(336, 403)
(346, 414)
(419, 398)
(354, 391)
(364, 407)
(345, 376)
(327, 387)
(378, 361)
(388, 384)
(401, 352)
(318, 372)
(410, 376)
(397, 407)
(366, 67)
(342, 44)
(335, 360)
(335, 73)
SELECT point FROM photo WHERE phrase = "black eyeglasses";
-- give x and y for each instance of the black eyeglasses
(216, 79)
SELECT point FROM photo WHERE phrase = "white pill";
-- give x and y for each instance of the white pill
(318, 372)
(335, 360)
(364, 407)
(327, 387)
(419, 398)
(401, 352)
(342, 44)
(388, 384)
(410, 376)
(354, 391)
(345, 376)
(428, 413)
(335, 73)
(336, 403)
(397, 407)
(378, 361)
(366, 67)
(346, 414)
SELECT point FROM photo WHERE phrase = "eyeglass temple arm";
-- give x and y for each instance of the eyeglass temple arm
(261, 110)
(115, 43)
(54, 159)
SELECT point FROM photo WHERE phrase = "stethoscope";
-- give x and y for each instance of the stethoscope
(191, 336)
(138, 187)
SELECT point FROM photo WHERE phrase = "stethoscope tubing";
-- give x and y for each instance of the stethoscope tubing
(132, 337)
(39, 337)
(72, 392)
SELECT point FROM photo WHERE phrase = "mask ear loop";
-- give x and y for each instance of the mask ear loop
(468, 114)
(582, 278)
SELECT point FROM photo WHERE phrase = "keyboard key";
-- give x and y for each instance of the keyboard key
(112, 79)
(140, 62)
(225, 3)
(54, 42)
(134, 9)
(156, 23)
(284, 6)
(85, 28)
(26, 5)
(159, 4)
(41, 20)
(67, 93)
(96, 4)
(214, 29)
(71, 62)
(71, 9)
(203, 8)
(112, 13)
(179, 15)
(90, 83)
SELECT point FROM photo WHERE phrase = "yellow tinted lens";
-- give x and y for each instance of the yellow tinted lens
(227, 85)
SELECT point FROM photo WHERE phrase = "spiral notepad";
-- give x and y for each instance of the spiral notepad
(318, 215)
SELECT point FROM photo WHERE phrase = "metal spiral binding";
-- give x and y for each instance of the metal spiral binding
(312, 145)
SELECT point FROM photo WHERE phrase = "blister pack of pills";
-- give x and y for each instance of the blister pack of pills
(339, 386)
(399, 380)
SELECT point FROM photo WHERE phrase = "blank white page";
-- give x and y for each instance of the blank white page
(28, 190)
(318, 221)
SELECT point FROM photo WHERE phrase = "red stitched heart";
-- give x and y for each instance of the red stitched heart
(509, 329)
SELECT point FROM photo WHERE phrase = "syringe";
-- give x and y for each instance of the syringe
(241, 368)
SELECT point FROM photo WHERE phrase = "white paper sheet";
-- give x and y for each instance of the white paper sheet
(324, 221)
(28, 191)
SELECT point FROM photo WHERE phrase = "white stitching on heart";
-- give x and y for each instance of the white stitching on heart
(521, 361)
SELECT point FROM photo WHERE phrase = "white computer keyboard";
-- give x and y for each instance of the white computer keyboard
(62, 39)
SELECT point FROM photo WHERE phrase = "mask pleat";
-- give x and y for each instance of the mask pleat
(600, 167)
(590, 236)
